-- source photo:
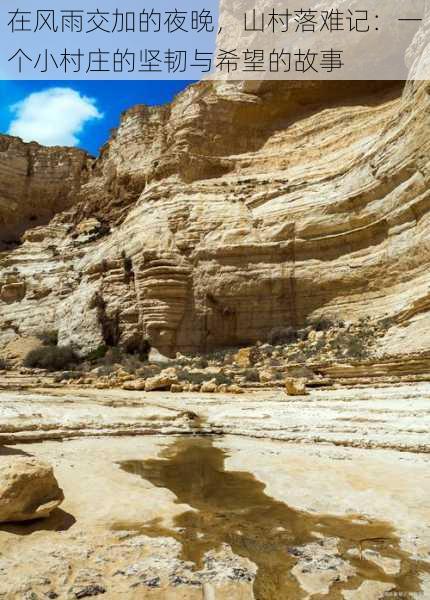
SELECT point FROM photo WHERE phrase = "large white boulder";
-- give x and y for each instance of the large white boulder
(28, 489)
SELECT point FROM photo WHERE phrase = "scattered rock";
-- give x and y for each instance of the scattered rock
(295, 387)
(157, 358)
(234, 389)
(136, 385)
(90, 590)
(266, 375)
(209, 386)
(319, 566)
(176, 388)
(246, 357)
(163, 381)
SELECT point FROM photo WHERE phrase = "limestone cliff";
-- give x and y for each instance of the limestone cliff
(35, 184)
(238, 208)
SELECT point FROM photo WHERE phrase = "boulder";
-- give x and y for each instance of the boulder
(88, 226)
(234, 389)
(102, 385)
(176, 388)
(157, 358)
(137, 385)
(246, 357)
(163, 381)
(28, 489)
(209, 386)
(267, 375)
(123, 375)
(295, 387)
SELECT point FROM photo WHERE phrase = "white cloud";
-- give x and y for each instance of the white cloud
(54, 117)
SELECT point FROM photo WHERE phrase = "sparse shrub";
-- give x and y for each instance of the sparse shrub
(321, 323)
(111, 356)
(356, 348)
(352, 344)
(282, 335)
(145, 348)
(279, 375)
(275, 362)
(303, 334)
(215, 356)
(223, 379)
(202, 363)
(252, 375)
(319, 345)
(131, 363)
(387, 322)
(183, 361)
(103, 230)
(298, 356)
(148, 371)
(67, 376)
(105, 370)
(51, 358)
(49, 337)
(199, 377)
(193, 377)
(97, 354)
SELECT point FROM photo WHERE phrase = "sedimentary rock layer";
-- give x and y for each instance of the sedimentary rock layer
(238, 208)
(35, 184)
(394, 417)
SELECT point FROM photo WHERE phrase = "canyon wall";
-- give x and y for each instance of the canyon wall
(238, 208)
(35, 184)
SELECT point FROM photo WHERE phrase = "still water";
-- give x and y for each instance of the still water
(232, 507)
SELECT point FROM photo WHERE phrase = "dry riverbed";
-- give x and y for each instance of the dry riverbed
(324, 496)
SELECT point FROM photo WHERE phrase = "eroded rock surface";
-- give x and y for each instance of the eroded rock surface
(35, 184)
(105, 536)
(234, 210)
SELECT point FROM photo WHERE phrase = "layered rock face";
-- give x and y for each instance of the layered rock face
(35, 184)
(236, 209)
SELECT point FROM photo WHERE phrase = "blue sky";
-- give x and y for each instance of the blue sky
(75, 113)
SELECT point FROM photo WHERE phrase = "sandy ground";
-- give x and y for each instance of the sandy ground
(87, 546)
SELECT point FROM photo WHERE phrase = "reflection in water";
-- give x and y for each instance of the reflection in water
(232, 507)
